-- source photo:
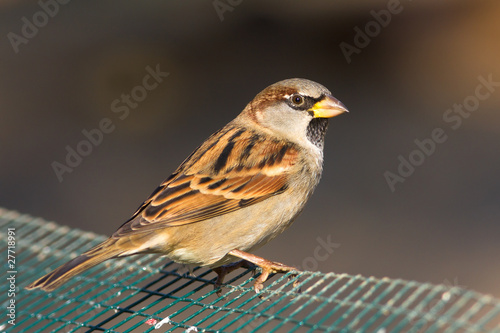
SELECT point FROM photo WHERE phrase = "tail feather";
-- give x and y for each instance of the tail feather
(89, 259)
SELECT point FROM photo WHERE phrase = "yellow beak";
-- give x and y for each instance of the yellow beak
(328, 107)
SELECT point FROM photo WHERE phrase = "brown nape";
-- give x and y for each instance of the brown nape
(270, 96)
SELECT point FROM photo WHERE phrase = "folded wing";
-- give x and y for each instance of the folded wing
(233, 169)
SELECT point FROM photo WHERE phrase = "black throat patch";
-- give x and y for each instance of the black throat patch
(316, 131)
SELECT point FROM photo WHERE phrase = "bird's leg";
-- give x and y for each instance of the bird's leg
(267, 266)
(222, 271)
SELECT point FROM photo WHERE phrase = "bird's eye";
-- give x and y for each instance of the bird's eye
(297, 100)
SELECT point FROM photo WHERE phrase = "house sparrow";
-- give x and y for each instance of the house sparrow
(241, 188)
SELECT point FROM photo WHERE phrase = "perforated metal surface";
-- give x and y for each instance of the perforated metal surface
(142, 294)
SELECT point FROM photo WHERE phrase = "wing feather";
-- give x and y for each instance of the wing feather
(234, 168)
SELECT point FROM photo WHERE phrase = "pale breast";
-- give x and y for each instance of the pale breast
(208, 242)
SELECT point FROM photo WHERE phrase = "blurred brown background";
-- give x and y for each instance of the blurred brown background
(440, 225)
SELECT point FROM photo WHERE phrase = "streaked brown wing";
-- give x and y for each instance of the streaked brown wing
(234, 168)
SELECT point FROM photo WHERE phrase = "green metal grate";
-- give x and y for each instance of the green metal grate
(131, 294)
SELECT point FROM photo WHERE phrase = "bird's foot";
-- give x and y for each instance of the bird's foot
(268, 267)
(222, 271)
